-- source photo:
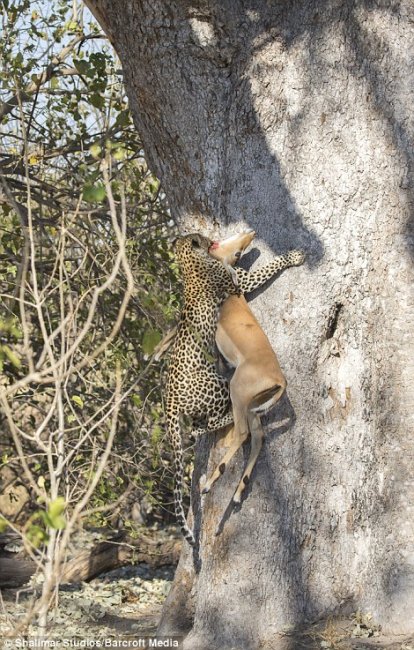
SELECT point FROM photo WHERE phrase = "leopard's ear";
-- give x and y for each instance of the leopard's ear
(197, 241)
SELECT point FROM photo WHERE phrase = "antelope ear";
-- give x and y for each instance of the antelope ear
(232, 273)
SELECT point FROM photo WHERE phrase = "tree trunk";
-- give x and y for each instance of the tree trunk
(296, 119)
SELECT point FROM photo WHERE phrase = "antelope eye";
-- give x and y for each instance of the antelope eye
(237, 255)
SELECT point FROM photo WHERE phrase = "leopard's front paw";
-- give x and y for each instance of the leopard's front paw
(297, 257)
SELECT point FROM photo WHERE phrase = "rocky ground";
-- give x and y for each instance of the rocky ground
(122, 602)
(127, 602)
(358, 632)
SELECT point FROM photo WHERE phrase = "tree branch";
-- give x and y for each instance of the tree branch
(25, 95)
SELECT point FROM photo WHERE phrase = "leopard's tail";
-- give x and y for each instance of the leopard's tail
(174, 433)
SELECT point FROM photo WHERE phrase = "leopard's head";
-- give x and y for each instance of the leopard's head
(200, 271)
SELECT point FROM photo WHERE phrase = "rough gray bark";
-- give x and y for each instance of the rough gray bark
(296, 118)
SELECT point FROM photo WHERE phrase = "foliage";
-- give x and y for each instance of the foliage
(64, 120)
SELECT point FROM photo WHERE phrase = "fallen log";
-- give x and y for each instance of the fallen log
(15, 571)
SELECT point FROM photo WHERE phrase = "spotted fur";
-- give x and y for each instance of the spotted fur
(194, 388)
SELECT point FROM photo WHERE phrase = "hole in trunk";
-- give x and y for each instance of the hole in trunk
(333, 320)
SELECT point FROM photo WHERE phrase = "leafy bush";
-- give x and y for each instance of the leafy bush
(74, 336)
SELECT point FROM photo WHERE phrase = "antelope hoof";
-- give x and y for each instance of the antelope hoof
(205, 484)
(239, 492)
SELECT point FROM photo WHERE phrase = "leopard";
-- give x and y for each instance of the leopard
(195, 390)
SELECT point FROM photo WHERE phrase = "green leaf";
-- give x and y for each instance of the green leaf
(3, 524)
(82, 67)
(12, 356)
(36, 535)
(156, 435)
(150, 340)
(99, 61)
(120, 154)
(94, 193)
(123, 118)
(136, 400)
(97, 101)
(95, 150)
(78, 400)
(54, 515)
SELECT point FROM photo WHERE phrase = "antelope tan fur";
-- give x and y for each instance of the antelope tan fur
(258, 382)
